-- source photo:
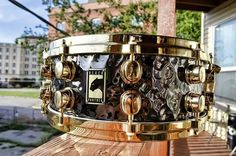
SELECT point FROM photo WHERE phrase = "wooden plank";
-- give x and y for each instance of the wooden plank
(73, 145)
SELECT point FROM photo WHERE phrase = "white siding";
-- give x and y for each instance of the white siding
(226, 80)
(222, 13)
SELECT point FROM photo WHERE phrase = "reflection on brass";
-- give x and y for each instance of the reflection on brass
(113, 130)
(209, 99)
(194, 102)
(216, 68)
(209, 87)
(130, 104)
(64, 100)
(131, 71)
(120, 44)
(46, 69)
(45, 95)
(193, 74)
(65, 70)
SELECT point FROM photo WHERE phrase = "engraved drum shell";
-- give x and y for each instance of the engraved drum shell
(127, 87)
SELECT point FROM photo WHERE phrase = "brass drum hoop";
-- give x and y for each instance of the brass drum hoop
(115, 130)
(126, 44)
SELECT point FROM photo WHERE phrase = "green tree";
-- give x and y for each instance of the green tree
(137, 17)
(188, 25)
(41, 40)
(140, 17)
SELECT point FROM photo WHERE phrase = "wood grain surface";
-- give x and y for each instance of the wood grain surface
(70, 145)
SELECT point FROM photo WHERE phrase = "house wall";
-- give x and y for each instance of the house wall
(222, 13)
(226, 80)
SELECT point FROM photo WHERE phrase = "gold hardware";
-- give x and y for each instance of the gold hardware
(64, 99)
(216, 68)
(210, 99)
(130, 104)
(114, 130)
(131, 71)
(65, 70)
(194, 74)
(209, 86)
(46, 95)
(46, 69)
(194, 102)
(142, 123)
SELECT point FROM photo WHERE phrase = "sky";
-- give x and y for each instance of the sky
(13, 20)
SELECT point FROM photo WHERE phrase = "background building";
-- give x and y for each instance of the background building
(10, 61)
(17, 61)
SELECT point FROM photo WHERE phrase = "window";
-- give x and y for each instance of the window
(96, 22)
(137, 21)
(0, 64)
(225, 56)
(14, 50)
(0, 71)
(61, 25)
(115, 21)
(26, 52)
(0, 56)
(6, 71)
(13, 71)
(6, 64)
(13, 64)
(34, 66)
(7, 50)
(6, 79)
(26, 59)
(34, 59)
(33, 73)
(26, 72)
(7, 57)
(0, 49)
(26, 66)
(14, 57)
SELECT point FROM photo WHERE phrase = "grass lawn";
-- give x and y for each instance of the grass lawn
(31, 94)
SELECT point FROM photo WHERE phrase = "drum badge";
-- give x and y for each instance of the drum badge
(96, 86)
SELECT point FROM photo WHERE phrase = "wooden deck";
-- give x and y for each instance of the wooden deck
(76, 146)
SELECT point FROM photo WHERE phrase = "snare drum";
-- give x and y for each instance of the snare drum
(127, 87)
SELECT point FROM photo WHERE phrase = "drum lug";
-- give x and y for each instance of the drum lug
(131, 105)
(193, 74)
(131, 71)
(65, 70)
(46, 96)
(64, 100)
(194, 102)
(46, 69)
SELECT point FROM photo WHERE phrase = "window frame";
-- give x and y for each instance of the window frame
(212, 48)
(221, 101)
